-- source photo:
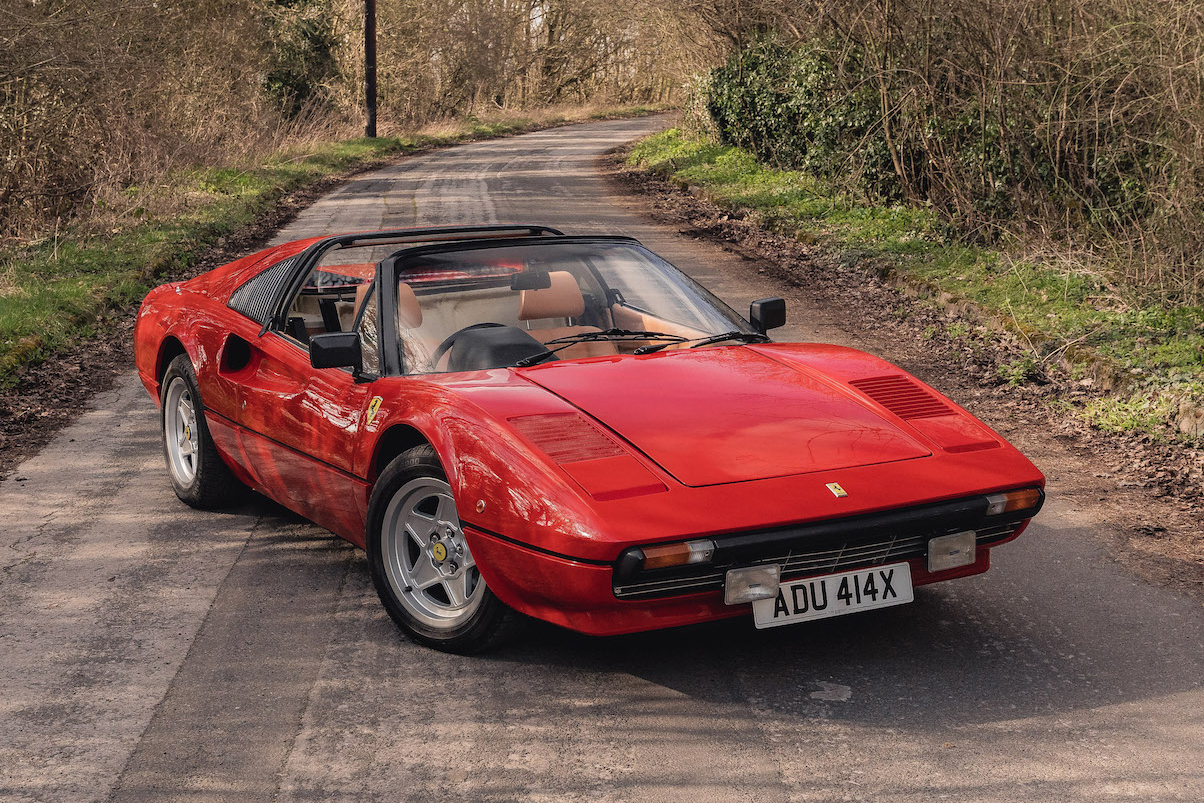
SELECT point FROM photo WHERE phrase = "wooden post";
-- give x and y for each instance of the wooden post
(370, 66)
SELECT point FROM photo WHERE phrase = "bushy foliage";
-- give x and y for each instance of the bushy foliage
(1074, 120)
(696, 118)
(304, 45)
(821, 106)
(798, 107)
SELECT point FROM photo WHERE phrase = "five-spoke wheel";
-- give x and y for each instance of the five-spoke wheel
(179, 430)
(197, 472)
(425, 556)
(421, 563)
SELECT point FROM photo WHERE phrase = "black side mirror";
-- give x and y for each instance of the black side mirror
(336, 350)
(531, 280)
(768, 313)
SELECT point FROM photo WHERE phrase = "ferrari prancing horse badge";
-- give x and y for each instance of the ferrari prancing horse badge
(373, 406)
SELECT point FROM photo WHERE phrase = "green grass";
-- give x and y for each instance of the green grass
(55, 291)
(1151, 355)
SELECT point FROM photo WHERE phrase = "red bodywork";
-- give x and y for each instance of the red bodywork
(710, 441)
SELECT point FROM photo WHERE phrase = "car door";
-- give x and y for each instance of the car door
(300, 427)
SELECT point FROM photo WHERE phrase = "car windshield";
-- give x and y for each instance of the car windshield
(476, 307)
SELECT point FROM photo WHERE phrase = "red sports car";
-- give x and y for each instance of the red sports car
(513, 421)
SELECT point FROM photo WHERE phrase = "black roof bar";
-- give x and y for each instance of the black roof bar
(440, 233)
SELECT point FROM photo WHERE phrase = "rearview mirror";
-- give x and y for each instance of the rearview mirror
(768, 313)
(531, 280)
(336, 350)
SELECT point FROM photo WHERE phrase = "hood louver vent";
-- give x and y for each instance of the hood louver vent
(902, 397)
(566, 437)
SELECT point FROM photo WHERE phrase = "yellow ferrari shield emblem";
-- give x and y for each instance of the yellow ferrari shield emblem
(836, 490)
(373, 406)
(439, 551)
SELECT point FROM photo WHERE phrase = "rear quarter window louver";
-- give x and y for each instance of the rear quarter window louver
(902, 397)
(254, 298)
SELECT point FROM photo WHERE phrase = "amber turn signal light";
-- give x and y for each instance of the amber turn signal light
(1010, 501)
(662, 556)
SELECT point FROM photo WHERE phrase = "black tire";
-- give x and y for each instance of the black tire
(414, 485)
(200, 479)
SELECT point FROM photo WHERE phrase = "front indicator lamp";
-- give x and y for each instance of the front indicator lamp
(664, 556)
(1009, 501)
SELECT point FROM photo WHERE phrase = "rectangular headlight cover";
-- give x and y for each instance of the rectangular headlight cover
(751, 583)
(951, 551)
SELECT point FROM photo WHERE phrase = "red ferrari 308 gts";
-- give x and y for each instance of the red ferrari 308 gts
(513, 421)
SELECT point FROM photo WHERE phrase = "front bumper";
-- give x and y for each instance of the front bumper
(824, 547)
(609, 599)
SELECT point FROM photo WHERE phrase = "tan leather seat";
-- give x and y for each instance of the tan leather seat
(563, 300)
(628, 318)
(409, 314)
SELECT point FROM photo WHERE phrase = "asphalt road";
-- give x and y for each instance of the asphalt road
(152, 652)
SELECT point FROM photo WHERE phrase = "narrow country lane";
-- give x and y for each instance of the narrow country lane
(150, 652)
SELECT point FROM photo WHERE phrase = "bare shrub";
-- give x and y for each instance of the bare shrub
(100, 94)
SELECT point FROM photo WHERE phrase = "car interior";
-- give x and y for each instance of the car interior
(480, 316)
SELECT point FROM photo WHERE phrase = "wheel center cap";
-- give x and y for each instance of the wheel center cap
(187, 432)
(439, 552)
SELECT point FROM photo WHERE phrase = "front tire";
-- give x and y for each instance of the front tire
(421, 565)
(198, 475)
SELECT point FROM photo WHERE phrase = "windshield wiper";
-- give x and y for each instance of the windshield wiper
(743, 337)
(586, 337)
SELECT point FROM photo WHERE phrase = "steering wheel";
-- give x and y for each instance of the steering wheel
(450, 340)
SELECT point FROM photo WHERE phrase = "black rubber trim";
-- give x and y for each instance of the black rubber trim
(532, 547)
(513, 242)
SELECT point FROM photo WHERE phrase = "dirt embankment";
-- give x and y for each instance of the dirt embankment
(1144, 486)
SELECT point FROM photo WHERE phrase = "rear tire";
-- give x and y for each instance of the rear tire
(421, 565)
(198, 475)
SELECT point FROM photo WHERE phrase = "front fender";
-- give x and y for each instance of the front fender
(501, 483)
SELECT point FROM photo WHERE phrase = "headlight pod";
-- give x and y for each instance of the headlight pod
(591, 456)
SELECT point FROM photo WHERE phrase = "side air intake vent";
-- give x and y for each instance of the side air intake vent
(254, 298)
(902, 397)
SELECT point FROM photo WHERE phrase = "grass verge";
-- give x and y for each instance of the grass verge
(55, 290)
(1141, 359)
